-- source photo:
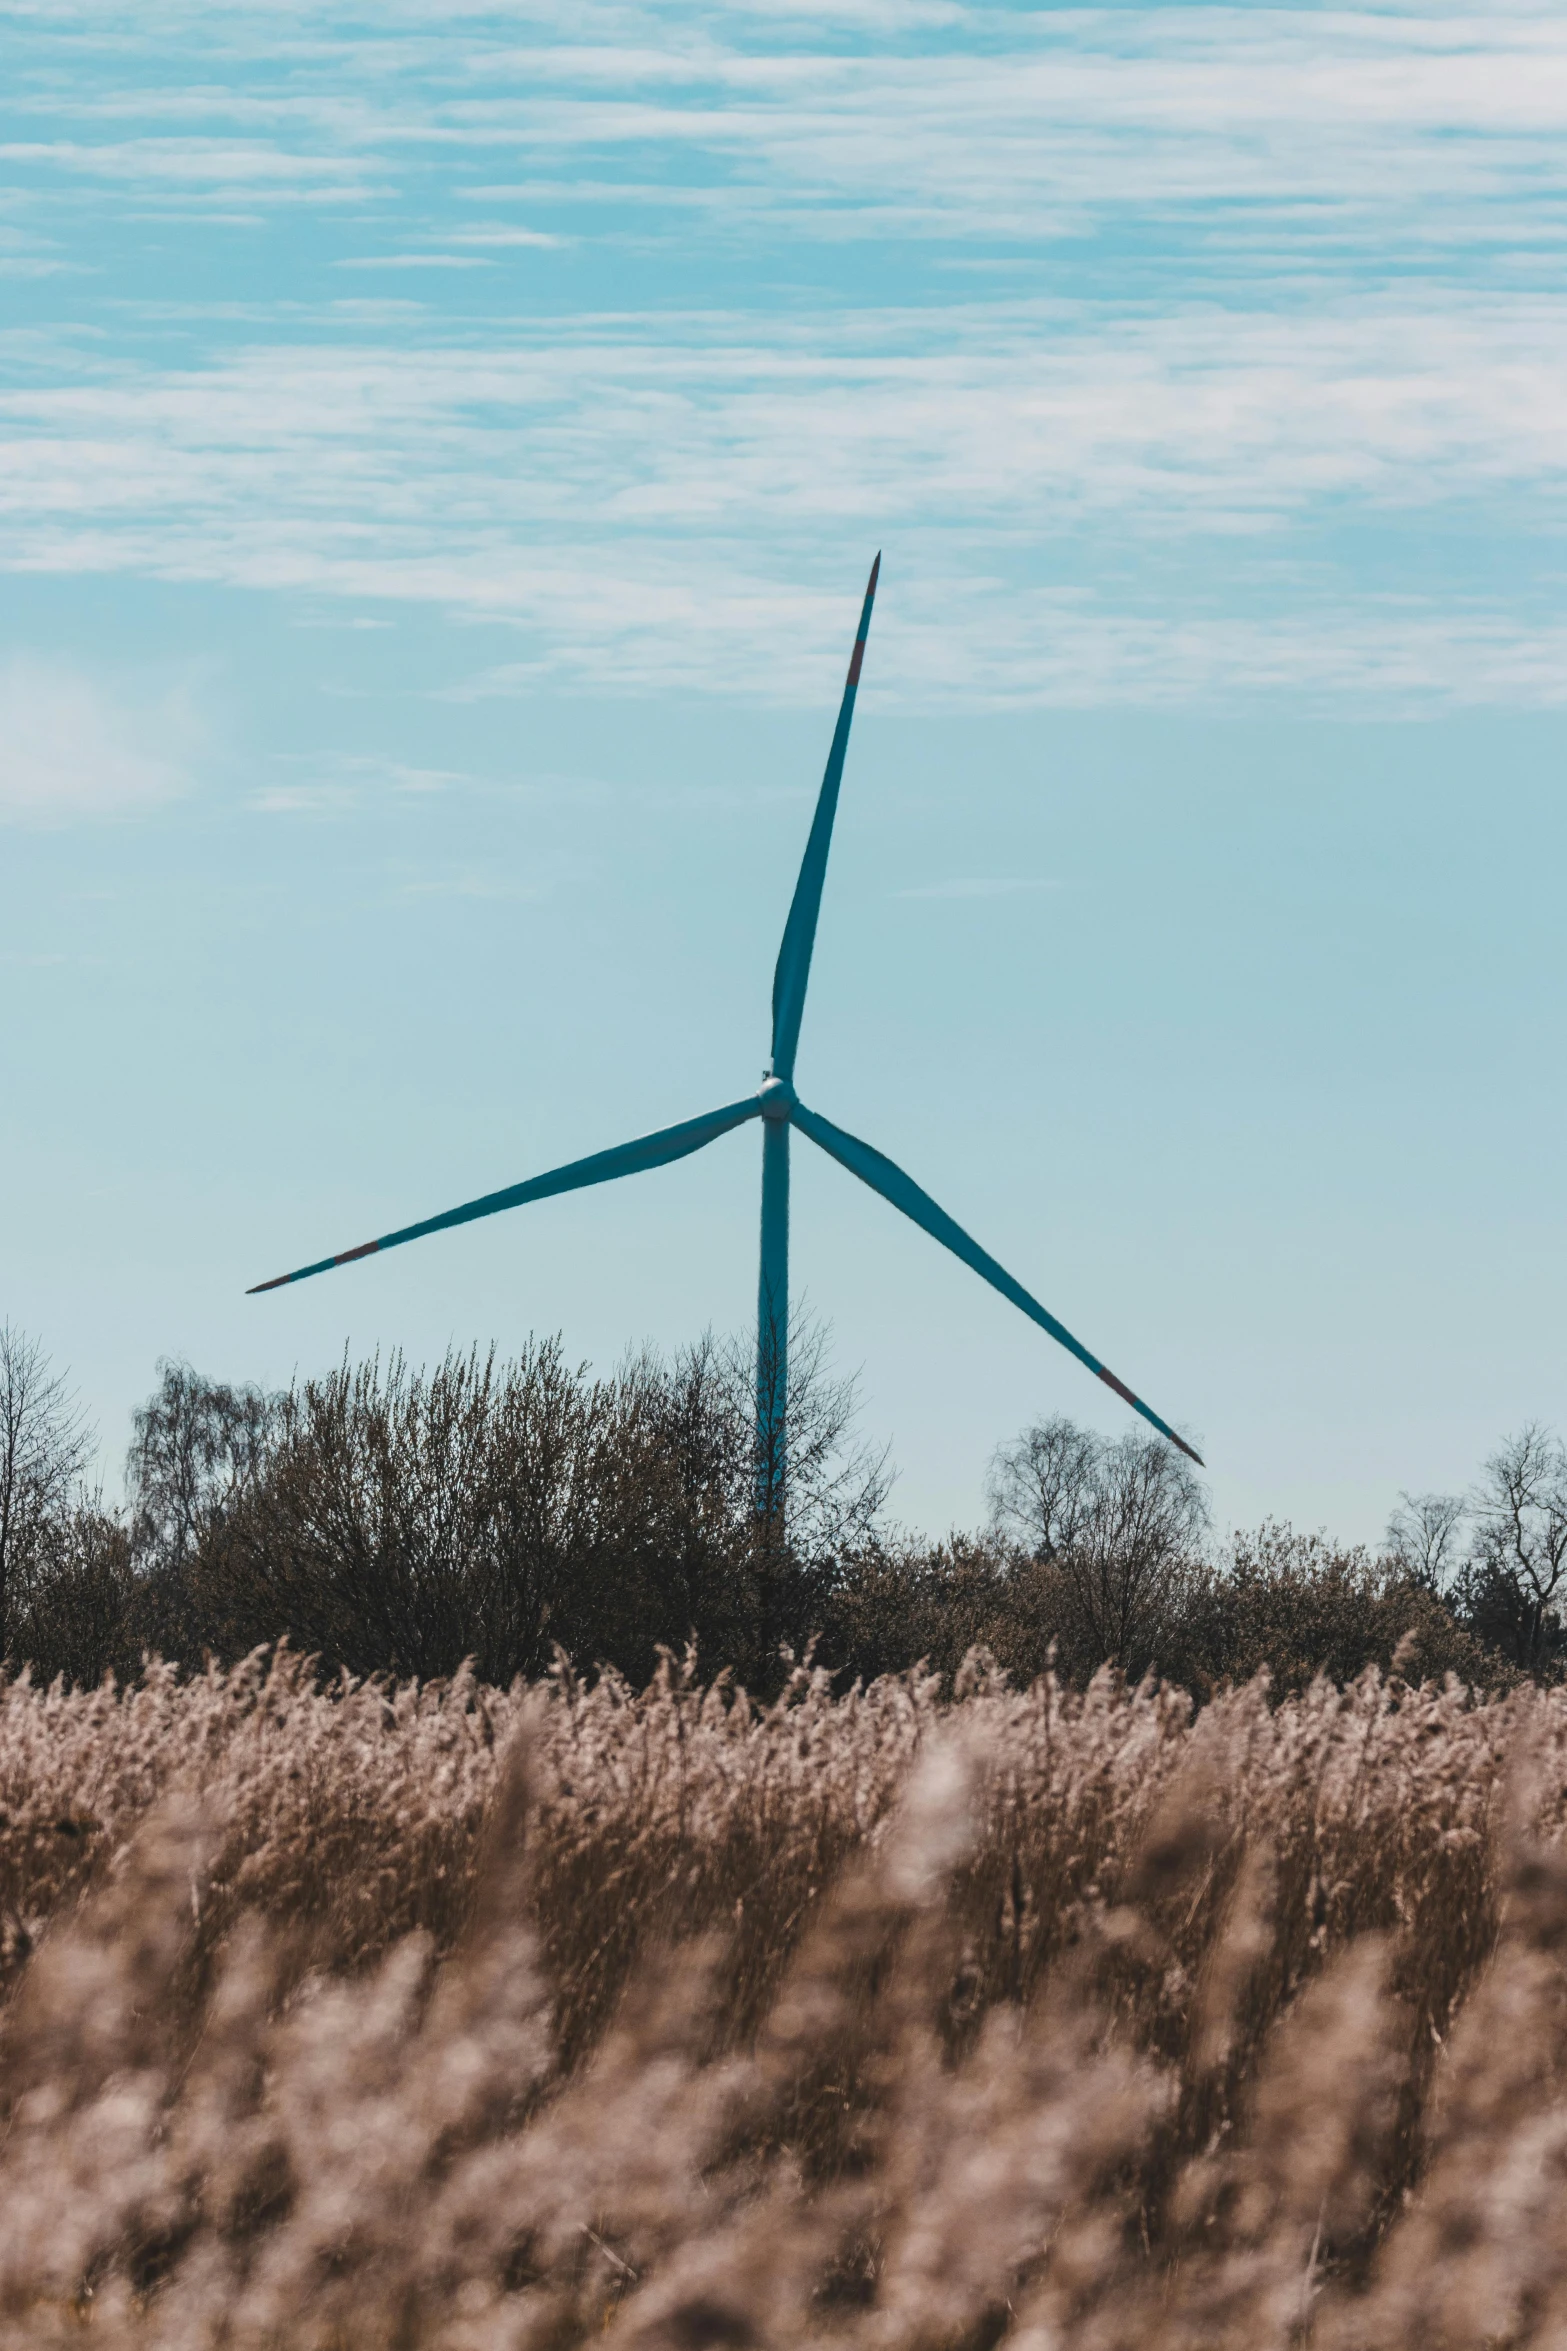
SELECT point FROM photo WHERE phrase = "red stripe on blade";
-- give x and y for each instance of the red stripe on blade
(365, 1249)
(1124, 1393)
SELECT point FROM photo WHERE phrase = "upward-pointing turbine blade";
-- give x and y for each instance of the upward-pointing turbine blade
(794, 956)
(891, 1182)
(604, 1166)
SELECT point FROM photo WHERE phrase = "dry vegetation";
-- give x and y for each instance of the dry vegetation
(467, 2018)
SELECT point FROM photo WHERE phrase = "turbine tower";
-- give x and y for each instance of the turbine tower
(779, 1108)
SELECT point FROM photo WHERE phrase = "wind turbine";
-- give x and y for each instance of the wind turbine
(779, 1108)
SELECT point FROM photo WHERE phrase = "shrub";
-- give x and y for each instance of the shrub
(390, 1520)
(394, 1520)
(1297, 1606)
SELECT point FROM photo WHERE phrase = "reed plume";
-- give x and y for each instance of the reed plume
(450, 2016)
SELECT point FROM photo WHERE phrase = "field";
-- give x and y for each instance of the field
(466, 2018)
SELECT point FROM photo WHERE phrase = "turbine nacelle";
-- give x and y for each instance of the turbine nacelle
(777, 1098)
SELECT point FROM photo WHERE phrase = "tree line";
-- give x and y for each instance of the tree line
(392, 1519)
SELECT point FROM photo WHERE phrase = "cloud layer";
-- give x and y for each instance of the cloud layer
(1161, 345)
(69, 749)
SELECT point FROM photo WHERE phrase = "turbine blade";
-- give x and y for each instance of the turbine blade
(794, 956)
(604, 1166)
(879, 1172)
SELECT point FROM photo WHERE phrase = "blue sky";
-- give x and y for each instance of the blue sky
(440, 454)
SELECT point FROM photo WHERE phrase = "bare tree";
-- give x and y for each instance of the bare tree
(805, 1519)
(1425, 1537)
(1041, 1488)
(44, 1447)
(197, 1445)
(1512, 1580)
(837, 1484)
(1120, 1520)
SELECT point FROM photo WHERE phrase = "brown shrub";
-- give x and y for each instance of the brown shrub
(465, 2018)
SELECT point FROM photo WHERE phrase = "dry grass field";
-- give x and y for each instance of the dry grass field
(465, 2018)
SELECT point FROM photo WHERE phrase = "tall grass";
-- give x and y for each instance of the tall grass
(458, 2017)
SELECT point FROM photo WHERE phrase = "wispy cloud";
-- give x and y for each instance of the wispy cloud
(1011, 114)
(220, 168)
(410, 261)
(304, 800)
(71, 747)
(644, 508)
(1127, 329)
(972, 122)
(500, 234)
(1206, 416)
(317, 785)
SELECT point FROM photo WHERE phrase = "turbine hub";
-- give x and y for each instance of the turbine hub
(778, 1097)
